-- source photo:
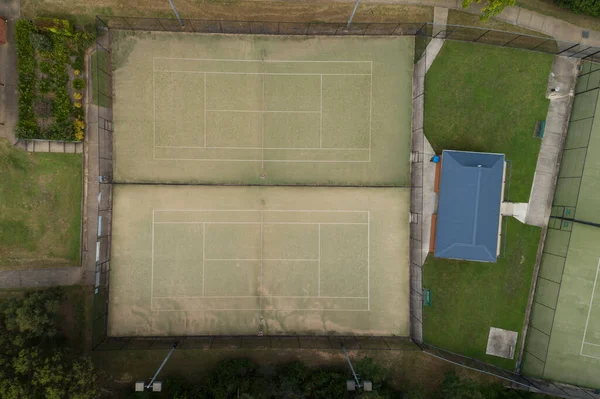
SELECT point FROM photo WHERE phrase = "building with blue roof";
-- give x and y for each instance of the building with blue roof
(471, 191)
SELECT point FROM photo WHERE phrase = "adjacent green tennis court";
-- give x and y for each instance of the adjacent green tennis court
(262, 109)
(563, 341)
(192, 260)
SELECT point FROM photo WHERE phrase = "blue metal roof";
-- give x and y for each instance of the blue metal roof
(469, 205)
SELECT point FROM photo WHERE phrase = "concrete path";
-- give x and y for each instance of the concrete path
(40, 277)
(532, 20)
(557, 121)
(440, 19)
(63, 147)
(9, 99)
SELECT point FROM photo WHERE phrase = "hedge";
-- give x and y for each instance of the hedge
(588, 7)
(26, 127)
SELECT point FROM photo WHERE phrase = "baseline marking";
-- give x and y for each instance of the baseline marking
(204, 110)
(245, 60)
(319, 264)
(152, 265)
(264, 296)
(264, 73)
(203, 253)
(587, 320)
(321, 120)
(269, 148)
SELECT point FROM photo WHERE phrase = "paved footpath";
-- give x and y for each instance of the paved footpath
(532, 20)
(10, 10)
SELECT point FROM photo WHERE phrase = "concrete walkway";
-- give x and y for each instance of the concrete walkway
(532, 20)
(440, 19)
(40, 277)
(557, 121)
(9, 99)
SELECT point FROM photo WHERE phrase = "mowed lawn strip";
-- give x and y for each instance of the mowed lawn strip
(40, 209)
(101, 88)
(470, 297)
(488, 99)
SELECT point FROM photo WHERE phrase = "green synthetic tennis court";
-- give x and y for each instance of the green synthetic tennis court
(262, 109)
(193, 260)
(563, 341)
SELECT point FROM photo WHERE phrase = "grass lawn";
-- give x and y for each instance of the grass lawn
(486, 98)
(84, 11)
(470, 297)
(100, 79)
(40, 209)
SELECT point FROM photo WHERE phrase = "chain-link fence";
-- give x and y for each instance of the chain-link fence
(472, 34)
(102, 97)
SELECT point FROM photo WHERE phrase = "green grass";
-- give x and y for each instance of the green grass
(101, 79)
(486, 98)
(470, 297)
(40, 208)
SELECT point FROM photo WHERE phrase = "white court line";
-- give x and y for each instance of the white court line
(262, 117)
(587, 320)
(257, 296)
(303, 223)
(203, 253)
(153, 113)
(205, 109)
(369, 261)
(258, 309)
(242, 60)
(319, 265)
(256, 160)
(152, 265)
(258, 210)
(263, 111)
(265, 259)
(321, 120)
(263, 73)
(268, 148)
(371, 112)
(589, 343)
(262, 248)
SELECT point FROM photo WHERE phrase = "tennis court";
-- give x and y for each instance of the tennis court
(267, 110)
(192, 260)
(563, 341)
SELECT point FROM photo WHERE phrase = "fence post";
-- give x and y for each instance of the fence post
(511, 40)
(580, 52)
(220, 26)
(160, 23)
(567, 49)
(420, 29)
(485, 33)
(127, 22)
(279, 28)
(541, 44)
(308, 28)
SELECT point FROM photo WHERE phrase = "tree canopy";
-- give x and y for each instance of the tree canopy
(491, 7)
(32, 362)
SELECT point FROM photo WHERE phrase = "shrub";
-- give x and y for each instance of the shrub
(78, 96)
(56, 26)
(45, 86)
(79, 84)
(77, 72)
(77, 104)
(26, 127)
(588, 7)
(79, 127)
(45, 67)
(40, 41)
(78, 63)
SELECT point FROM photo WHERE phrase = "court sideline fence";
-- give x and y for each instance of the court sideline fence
(471, 34)
(563, 213)
(103, 99)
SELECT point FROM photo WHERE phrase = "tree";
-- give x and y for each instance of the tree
(491, 7)
(32, 363)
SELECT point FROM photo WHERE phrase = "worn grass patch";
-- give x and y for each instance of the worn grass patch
(40, 210)
(470, 297)
(488, 99)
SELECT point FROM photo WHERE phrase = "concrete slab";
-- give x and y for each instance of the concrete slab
(29, 146)
(501, 343)
(564, 75)
(536, 22)
(511, 14)
(70, 148)
(57, 146)
(524, 17)
(432, 50)
(518, 210)
(41, 146)
(79, 148)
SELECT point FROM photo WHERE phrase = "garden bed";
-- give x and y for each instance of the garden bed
(50, 55)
